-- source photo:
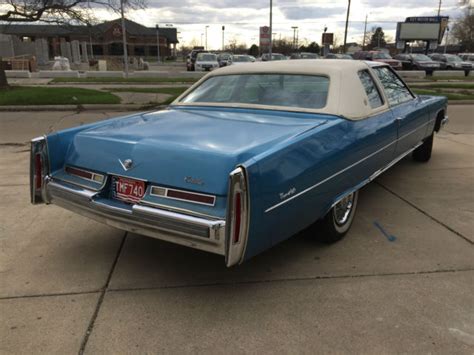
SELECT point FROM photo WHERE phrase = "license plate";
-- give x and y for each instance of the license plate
(128, 190)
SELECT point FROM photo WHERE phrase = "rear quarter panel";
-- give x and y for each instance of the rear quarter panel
(289, 169)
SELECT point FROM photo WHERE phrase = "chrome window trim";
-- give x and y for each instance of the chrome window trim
(180, 199)
(347, 168)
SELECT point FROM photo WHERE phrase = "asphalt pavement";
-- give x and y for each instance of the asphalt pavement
(402, 281)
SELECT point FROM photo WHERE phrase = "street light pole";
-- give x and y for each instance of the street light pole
(294, 36)
(158, 42)
(124, 38)
(223, 29)
(347, 22)
(439, 8)
(270, 31)
(365, 32)
(206, 37)
(202, 34)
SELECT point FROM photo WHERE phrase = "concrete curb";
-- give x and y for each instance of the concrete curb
(90, 107)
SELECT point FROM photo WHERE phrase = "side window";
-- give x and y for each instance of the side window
(395, 90)
(371, 90)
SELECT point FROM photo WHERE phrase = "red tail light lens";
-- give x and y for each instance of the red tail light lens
(237, 217)
(38, 171)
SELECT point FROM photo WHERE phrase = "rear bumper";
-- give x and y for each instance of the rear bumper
(179, 228)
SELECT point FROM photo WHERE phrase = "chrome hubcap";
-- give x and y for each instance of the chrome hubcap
(342, 209)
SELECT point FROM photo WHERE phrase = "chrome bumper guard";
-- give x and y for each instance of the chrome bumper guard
(192, 231)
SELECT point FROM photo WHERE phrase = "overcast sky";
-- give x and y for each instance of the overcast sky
(242, 18)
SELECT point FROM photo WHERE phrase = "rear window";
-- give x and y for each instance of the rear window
(206, 57)
(303, 91)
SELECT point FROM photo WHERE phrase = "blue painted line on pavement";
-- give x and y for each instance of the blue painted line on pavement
(390, 237)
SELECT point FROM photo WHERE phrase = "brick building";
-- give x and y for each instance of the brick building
(104, 39)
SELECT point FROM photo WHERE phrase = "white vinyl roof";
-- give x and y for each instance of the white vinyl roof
(346, 96)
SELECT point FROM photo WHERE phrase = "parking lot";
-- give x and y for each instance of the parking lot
(401, 281)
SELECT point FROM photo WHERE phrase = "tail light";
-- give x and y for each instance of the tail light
(237, 217)
(182, 195)
(84, 174)
(39, 169)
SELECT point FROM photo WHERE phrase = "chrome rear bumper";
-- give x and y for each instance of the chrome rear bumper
(191, 231)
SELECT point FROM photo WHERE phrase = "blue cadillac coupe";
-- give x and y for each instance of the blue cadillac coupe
(247, 157)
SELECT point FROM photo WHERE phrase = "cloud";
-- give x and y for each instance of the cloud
(310, 12)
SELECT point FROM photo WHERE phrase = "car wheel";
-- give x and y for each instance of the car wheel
(423, 152)
(337, 222)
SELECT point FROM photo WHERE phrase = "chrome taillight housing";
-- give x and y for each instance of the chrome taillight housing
(39, 169)
(237, 220)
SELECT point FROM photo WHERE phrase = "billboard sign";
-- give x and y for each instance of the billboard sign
(264, 37)
(327, 38)
(422, 28)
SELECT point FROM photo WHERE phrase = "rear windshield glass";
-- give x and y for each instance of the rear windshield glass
(303, 91)
(206, 57)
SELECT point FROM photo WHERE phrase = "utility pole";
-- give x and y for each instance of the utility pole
(347, 22)
(206, 37)
(124, 37)
(158, 42)
(447, 37)
(439, 8)
(294, 36)
(270, 31)
(365, 33)
(223, 29)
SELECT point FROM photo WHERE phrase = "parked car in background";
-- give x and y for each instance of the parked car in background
(247, 157)
(384, 57)
(304, 55)
(191, 58)
(337, 56)
(206, 62)
(241, 59)
(467, 57)
(417, 62)
(451, 62)
(224, 59)
(378, 56)
(275, 56)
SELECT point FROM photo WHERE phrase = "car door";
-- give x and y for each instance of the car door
(408, 110)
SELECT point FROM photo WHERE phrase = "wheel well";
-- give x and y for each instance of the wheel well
(439, 118)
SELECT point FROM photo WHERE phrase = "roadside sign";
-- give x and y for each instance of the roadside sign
(264, 37)
(327, 38)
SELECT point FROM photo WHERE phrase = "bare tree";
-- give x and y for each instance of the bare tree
(57, 12)
(463, 30)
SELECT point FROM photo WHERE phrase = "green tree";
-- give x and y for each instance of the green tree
(378, 39)
(463, 31)
(254, 50)
(313, 47)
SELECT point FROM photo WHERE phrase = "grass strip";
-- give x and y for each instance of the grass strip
(445, 86)
(449, 95)
(125, 80)
(28, 95)
(170, 91)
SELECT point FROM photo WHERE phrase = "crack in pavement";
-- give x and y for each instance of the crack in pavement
(233, 283)
(85, 339)
(425, 213)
